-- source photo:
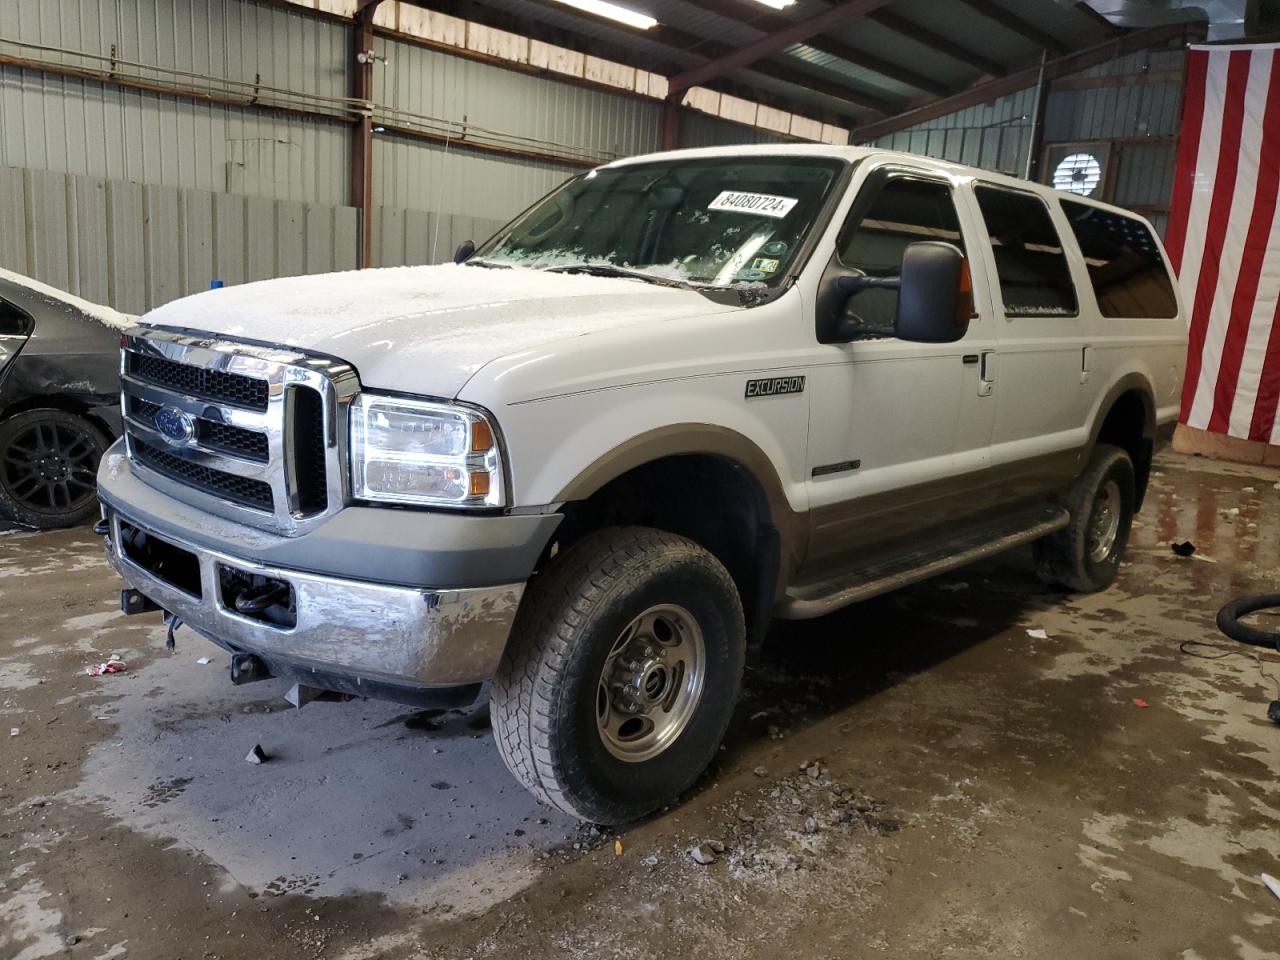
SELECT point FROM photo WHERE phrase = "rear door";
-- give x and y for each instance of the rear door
(899, 431)
(1040, 372)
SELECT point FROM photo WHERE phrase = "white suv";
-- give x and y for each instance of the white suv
(681, 395)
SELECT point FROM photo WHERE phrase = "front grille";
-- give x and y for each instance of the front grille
(307, 434)
(245, 491)
(222, 437)
(216, 385)
(249, 431)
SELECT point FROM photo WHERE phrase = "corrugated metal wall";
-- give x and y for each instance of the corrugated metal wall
(83, 127)
(132, 197)
(699, 129)
(993, 135)
(137, 246)
(1134, 103)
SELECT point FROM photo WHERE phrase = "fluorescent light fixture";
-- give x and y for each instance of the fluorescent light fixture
(777, 4)
(602, 8)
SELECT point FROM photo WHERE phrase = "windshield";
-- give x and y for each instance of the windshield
(718, 221)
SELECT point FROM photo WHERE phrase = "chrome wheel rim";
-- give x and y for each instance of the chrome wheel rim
(651, 683)
(1104, 522)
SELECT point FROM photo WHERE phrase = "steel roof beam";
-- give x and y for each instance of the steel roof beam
(1130, 42)
(1014, 23)
(936, 42)
(758, 17)
(796, 31)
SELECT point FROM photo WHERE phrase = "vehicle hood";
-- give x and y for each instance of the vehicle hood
(427, 330)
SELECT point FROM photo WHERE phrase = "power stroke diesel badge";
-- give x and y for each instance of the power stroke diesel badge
(774, 386)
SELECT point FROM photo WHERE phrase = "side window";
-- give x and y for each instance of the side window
(904, 211)
(1125, 267)
(13, 322)
(1035, 280)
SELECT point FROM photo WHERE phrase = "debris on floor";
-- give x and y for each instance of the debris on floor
(1272, 883)
(1038, 634)
(203, 661)
(112, 664)
(257, 755)
(1184, 549)
(1139, 702)
(706, 853)
(14, 731)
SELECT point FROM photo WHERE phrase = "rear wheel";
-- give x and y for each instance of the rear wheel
(49, 468)
(1085, 555)
(618, 684)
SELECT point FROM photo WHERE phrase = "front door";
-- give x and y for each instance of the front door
(899, 431)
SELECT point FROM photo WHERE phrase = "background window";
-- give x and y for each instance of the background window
(1125, 267)
(1035, 280)
(904, 211)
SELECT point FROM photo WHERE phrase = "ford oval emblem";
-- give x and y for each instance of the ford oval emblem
(175, 425)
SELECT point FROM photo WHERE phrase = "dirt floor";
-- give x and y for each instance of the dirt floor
(974, 767)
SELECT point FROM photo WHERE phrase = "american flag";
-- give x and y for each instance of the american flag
(1224, 239)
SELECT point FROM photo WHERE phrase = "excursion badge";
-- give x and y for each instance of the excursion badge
(774, 386)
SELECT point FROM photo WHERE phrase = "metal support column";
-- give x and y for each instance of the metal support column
(362, 134)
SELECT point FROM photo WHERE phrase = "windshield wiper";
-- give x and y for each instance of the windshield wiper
(487, 264)
(608, 270)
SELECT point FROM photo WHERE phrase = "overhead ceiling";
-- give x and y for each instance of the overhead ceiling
(860, 63)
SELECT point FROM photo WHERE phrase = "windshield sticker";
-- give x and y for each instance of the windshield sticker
(764, 265)
(761, 204)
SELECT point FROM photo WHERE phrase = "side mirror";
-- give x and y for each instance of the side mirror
(935, 298)
(464, 251)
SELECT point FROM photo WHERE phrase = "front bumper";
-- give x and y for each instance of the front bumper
(372, 635)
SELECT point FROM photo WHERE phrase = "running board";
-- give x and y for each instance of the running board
(863, 583)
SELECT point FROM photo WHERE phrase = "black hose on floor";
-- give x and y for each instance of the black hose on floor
(1229, 620)
(1229, 623)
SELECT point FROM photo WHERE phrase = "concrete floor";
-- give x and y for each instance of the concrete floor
(980, 792)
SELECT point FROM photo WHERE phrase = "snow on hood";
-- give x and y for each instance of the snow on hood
(427, 330)
(96, 311)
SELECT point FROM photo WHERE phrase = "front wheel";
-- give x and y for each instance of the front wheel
(1085, 555)
(49, 468)
(621, 675)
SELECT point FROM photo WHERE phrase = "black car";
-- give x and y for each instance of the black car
(59, 401)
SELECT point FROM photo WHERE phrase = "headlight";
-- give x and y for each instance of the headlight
(413, 451)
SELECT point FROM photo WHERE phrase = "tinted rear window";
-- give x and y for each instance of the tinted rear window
(1035, 280)
(1125, 267)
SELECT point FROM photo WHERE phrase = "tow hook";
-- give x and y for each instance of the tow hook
(247, 668)
(132, 602)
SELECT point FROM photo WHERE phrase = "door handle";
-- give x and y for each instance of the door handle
(987, 373)
(1086, 360)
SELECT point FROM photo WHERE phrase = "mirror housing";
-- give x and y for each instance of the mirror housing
(935, 297)
(464, 251)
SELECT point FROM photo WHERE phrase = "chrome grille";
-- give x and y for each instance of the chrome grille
(252, 433)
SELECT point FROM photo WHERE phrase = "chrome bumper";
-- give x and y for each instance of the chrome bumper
(369, 631)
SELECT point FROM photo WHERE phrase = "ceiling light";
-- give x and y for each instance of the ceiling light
(602, 8)
(777, 4)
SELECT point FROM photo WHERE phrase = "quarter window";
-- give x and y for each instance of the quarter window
(905, 210)
(13, 322)
(1126, 270)
(1035, 280)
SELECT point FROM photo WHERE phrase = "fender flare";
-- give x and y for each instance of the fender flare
(1132, 382)
(702, 439)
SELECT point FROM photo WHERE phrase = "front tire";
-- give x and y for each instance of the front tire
(49, 468)
(621, 675)
(1085, 555)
